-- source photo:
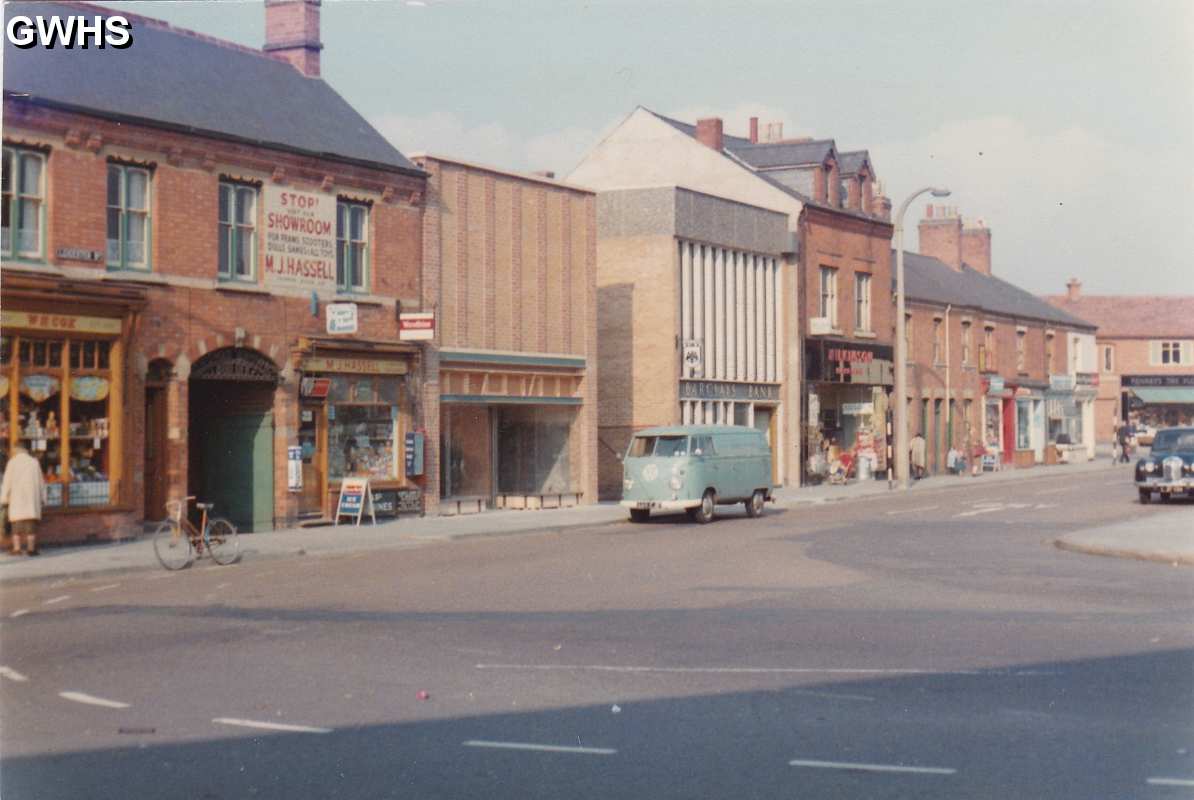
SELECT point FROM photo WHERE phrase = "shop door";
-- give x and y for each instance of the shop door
(313, 441)
(155, 452)
(1009, 430)
(937, 437)
(238, 469)
(765, 421)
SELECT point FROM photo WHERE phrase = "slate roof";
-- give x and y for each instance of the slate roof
(1128, 316)
(185, 81)
(782, 154)
(850, 163)
(932, 281)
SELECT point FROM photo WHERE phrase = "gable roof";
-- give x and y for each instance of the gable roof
(931, 281)
(1129, 316)
(184, 81)
(783, 154)
(850, 163)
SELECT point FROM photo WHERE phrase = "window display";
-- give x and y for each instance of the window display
(363, 427)
(994, 425)
(1023, 424)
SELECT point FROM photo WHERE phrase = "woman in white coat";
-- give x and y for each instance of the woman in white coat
(23, 492)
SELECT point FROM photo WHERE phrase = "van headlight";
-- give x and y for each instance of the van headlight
(627, 484)
(1150, 466)
(675, 483)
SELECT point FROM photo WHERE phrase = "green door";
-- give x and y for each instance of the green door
(238, 469)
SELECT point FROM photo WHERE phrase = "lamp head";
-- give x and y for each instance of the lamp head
(941, 192)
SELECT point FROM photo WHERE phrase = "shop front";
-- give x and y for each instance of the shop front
(63, 377)
(999, 428)
(356, 418)
(848, 386)
(511, 431)
(1069, 411)
(1158, 401)
(755, 405)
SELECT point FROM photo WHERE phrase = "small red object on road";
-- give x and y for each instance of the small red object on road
(423, 696)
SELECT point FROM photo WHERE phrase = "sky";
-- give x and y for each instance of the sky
(1066, 126)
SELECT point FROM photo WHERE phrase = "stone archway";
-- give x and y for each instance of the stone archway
(231, 434)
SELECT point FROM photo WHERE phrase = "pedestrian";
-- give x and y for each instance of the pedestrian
(917, 456)
(22, 493)
(1124, 440)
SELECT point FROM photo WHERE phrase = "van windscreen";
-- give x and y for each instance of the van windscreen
(641, 446)
(672, 446)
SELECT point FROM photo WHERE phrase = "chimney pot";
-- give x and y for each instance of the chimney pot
(1073, 289)
(754, 130)
(709, 132)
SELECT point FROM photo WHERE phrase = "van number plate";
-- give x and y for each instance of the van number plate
(642, 505)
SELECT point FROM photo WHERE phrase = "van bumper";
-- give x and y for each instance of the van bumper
(661, 505)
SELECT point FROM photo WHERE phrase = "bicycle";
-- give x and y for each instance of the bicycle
(176, 541)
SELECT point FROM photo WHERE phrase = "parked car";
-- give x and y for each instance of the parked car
(1169, 468)
(693, 468)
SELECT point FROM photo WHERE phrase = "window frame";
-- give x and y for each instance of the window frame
(967, 332)
(122, 263)
(938, 341)
(234, 232)
(1050, 348)
(1108, 360)
(829, 297)
(345, 285)
(862, 302)
(1021, 351)
(16, 195)
(1170, 353)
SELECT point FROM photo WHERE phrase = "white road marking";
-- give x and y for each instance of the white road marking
(223, 585)
(872, 767)
(1053, 491)
(105, 588)
(755, 670)
(161, 577)
(543, 748)
(20, 612)
(833, 695)
(60, 598)
(912, 510)
(92, 700)
(269, 726)
(1170, 782)
(1046, 505)
(12, 675)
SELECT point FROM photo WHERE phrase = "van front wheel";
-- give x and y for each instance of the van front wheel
(754, 506)
(639, 514)
(704, 512)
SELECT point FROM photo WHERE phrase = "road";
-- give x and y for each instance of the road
(932, 645)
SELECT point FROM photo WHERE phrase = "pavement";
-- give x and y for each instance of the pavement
(1172, 542)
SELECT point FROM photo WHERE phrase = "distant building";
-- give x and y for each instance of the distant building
(1145, 354)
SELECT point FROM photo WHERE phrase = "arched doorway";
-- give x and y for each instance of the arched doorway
(157, 384)
(231, 435)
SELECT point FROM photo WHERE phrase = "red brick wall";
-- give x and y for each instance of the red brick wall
(942, 239)
(850, 245)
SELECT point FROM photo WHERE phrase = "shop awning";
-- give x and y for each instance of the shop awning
(1165, 394)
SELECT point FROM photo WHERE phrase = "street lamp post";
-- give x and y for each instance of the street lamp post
(901, 342)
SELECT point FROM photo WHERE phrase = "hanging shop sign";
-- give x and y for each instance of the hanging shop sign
(355, 496)
(844, 361)
(363, 366)
(89, 388)
(414, 453)
(65, 323)
(294, 469)
(315, 387)
(300, 238)
(694, 358)
(727, 390)
(1087, 379)
(995, 384)
(858, 409)
(1062, 383)
(341, 318)
(416, 326)
(39, 388)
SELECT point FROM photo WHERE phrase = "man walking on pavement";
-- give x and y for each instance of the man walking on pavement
(23, 492)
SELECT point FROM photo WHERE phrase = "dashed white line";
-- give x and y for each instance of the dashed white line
(105, 588)
(269, 726)
(1046, 505)
(20, 612)
(977, 511)
(872, 767)
(912, 510)
(162, 577)
(542, 748)
(1170, 782)
(59, 599)
(92, 700)
(12, 675)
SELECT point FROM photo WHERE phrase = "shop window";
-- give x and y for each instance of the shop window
(23, 203)
(352, 246)
(128, 217)
(238, 232)
(862, 302)
(993, 433)
(533, 449)
(363, 427)
(828, 307)
(1023, 424)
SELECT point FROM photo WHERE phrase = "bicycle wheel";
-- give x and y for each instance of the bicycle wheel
(172, 546)
(222, 541)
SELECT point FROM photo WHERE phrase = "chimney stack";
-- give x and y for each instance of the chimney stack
(754, 130)
(941, 236)
(292, 33)
(1073, 289)
(976, 247)
(709, 132)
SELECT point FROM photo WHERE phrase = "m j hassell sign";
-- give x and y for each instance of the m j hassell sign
(300, 239)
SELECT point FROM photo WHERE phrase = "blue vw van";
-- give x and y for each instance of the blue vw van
(693, 468)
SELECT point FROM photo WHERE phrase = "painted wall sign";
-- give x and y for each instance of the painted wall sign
(67, 323)
(364, 366)
(845, 361)
(726, 390)
(694, 358)
(342, 317)
(1156, 380)
(300, 238)
(79, 254)
(416, 326)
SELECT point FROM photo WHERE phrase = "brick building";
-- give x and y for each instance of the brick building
(510, 266)
(1145, 354)
(178, 216)
(991, 366)
(831, 282)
